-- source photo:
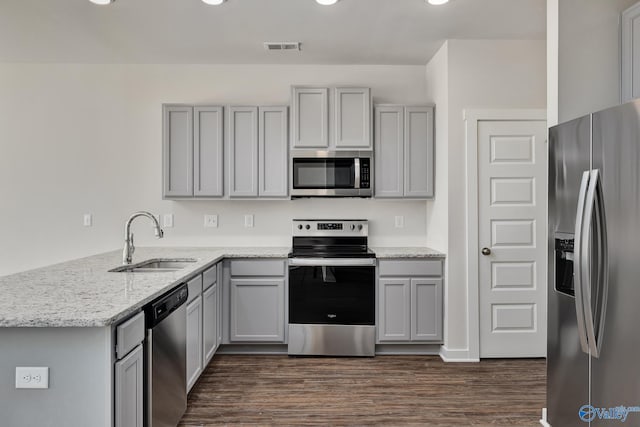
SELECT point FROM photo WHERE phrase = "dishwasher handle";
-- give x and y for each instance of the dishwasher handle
(165, 305)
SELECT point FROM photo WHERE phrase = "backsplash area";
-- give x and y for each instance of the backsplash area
(272, 221)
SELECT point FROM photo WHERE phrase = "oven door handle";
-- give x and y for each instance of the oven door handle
(332, 262)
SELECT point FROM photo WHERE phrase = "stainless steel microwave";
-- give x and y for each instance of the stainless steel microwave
(331, 173)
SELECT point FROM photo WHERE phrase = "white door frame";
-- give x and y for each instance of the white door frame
(471, 119)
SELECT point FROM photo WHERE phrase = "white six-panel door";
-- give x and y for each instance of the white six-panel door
(512, 215)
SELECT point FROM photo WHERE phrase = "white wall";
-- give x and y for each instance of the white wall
(437, 74)
(588, 55)
(481, 74)
(87, 138)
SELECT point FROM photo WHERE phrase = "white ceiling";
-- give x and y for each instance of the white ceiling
(188, 31)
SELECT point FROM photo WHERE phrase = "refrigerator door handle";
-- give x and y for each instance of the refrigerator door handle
(594, 204)
(578, 262)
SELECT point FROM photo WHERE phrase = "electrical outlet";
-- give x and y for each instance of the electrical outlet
(87, 220)
(32, 377)
(211, 221)
(248, 221)
(167, 220)
(399, 221)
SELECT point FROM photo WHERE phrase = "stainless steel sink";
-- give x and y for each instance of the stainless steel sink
(156, 265)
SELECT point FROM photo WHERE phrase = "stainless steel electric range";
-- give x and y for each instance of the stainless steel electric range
(331, 289)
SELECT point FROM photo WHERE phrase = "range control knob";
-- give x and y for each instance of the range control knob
(353, 227)
(299, 226)
(307, 226)
(359, 227)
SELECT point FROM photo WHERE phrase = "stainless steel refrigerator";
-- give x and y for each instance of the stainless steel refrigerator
(593, 349)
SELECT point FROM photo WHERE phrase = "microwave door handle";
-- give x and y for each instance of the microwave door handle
(578, 262)
(356, 178)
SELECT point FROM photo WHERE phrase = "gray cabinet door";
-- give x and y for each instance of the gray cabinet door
(129, 389)
(208, 151)
(257, 310)
(242, 132)
(310, 117)
(273, 143)
(209, 323)
(352, 123)
(177, 150)
(394, 314)
(418, 152)
(426, 309)
(194, 341)
(389, 151)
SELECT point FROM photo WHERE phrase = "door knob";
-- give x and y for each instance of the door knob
(486, 251)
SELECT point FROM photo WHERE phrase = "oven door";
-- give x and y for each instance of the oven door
(329, 291)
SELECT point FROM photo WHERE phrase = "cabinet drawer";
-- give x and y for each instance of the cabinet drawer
(195, 288)
(260, 267)
(209, 277)
(129, 334)
(410, 268)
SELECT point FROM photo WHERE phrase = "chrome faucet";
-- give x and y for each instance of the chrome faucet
(128, 235)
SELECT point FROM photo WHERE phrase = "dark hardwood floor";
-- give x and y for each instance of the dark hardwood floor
(385, 390)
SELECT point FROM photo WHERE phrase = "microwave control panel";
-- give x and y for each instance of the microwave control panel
(365, 173)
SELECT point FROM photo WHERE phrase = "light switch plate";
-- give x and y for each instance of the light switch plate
(167, 220)
(32, 377)
(211, 221)
(399, 221)
(87, 220)
(248, 221)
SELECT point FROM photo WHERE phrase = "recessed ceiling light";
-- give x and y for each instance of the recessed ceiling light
(101, 2)
(437, 2)
(327, 2)
(214, 2)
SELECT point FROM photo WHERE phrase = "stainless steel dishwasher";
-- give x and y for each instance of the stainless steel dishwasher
(166, 396)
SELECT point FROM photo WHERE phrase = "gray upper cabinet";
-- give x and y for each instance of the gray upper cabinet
(418, 152)
(404, 152)
(631, 53)
(310, 118)
(177, 150)
(192, 151)
(352, 124)
(242, 132)
(208, 157)
(273, 128)
(389, 151)
(339, 119)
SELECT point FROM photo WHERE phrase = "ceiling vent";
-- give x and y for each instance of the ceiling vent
(282, 45)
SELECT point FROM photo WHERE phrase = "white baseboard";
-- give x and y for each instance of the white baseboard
(456, 355)
(543, 420)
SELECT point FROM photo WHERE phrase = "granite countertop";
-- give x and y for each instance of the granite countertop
(83, 293)
(406, 252)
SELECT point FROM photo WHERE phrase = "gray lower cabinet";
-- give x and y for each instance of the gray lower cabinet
(129, 372)
(257, 300)
(257, 310)
(404, 151)
(192, 141)
(203, 322)
(210, 329)
(410, 300)
(194, 341)
(129, 376)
